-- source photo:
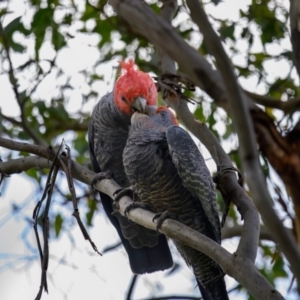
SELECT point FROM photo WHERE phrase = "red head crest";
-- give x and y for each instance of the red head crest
(131, 84)
(170, 113)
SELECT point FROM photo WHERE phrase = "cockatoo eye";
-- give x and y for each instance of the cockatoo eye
(124, 99)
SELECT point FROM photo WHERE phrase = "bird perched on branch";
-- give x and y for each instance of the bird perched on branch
(134, 90)
(169, 175)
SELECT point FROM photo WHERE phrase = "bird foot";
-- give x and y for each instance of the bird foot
(134, 205)
(118, 194)
(100, 176)
(216, 178)
(161, 217)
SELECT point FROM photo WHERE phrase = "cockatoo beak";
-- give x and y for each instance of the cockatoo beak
(139, 105)
(150, 110)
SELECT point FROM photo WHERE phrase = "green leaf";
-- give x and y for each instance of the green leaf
(288, 55)
(268, 275)
(23, 135)
(199, 114)
(35, 2)
(265, 17)
(278, 268)
(80, 143)
(41, 107)
(104, 28)
(58, 40)
(68, 19)
(92, 205)
(14, 26)
(4, 12)
(89, 13)
(58, 224)
(17, 47)
(216, 2)
(33, 173)
(42, 19)
(227, 31)
(243, 71)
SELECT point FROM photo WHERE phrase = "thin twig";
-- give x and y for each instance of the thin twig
(289, 106)
(237, 230)
(11, 120)
(131, 287)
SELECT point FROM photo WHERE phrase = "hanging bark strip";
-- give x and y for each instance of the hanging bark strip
(68, 171)
(61, 155)
(44, 253)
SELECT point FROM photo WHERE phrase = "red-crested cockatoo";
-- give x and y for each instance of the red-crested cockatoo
(134, 91)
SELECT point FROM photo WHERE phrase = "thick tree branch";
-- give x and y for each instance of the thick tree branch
(289, 106)
(227, 183)
(295, 32)
(36, 138)
(233, 265)
(236, 231)
(167, 13)
(15, 166)
(283, 153)
(25, 147)
(23, 164)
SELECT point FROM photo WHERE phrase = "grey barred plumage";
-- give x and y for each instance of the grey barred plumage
(168, 173)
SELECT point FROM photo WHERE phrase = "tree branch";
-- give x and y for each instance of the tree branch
(25, 147)
(11, 120)
(19, 165)
(71, 125)
(289, 106)
(233, 265)
(283, 153)
(236, 231)
(167, 13)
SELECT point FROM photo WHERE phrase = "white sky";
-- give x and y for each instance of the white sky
(86, 275)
